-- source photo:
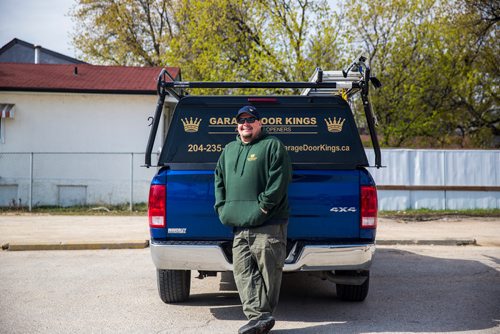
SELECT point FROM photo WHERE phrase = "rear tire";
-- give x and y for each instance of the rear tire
(353, 293)
(173, 285)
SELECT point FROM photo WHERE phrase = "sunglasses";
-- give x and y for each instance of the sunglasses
(249, 120)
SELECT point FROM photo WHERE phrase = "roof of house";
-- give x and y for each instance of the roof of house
(81, 78)
(54, 55)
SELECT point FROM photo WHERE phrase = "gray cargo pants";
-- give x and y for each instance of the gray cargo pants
(258, 257)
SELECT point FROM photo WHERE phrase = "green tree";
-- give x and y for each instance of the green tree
(261, 40)
(436, 84)
(477, 94)
(123, 32)
(211, 40)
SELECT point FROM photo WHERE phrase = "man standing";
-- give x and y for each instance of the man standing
(251, 185)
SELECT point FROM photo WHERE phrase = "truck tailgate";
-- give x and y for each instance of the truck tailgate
(324, 205)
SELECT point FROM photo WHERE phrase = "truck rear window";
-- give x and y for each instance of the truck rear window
(318, 132)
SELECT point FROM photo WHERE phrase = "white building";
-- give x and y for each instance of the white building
(76, 134)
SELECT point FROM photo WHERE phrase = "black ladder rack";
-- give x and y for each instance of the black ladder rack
(351, 81)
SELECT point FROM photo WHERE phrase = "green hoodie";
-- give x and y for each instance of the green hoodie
(249, 177)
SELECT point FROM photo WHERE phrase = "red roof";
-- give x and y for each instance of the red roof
(80, 78)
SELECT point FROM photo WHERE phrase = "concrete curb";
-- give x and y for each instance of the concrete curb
(141, 244)
(440, 242)
(43, 246)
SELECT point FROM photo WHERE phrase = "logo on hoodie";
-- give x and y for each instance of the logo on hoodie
(252, 157)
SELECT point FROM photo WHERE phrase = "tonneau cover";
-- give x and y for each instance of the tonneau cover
(319, 132)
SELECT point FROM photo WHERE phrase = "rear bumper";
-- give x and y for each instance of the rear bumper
(310, 258)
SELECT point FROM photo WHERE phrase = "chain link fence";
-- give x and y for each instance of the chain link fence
(69, 179)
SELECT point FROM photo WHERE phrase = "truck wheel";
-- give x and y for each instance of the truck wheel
(353, 293)
(174, 285)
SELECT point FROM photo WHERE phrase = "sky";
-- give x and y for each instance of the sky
(40, 22)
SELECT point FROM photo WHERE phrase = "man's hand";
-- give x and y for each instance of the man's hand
(263, 211)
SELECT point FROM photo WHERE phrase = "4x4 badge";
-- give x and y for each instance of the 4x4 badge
(343, 209)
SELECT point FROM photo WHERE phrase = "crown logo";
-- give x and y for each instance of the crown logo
(334, 126)
(191, 125)
(252, 157)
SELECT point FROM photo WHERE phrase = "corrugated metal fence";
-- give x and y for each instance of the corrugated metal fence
(436, 179)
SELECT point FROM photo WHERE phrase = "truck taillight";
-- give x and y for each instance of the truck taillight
(157, 205)
(368, 207)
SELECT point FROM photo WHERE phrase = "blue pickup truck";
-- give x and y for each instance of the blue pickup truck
(333, 198)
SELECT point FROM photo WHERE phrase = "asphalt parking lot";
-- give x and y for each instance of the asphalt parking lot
(413, 289)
